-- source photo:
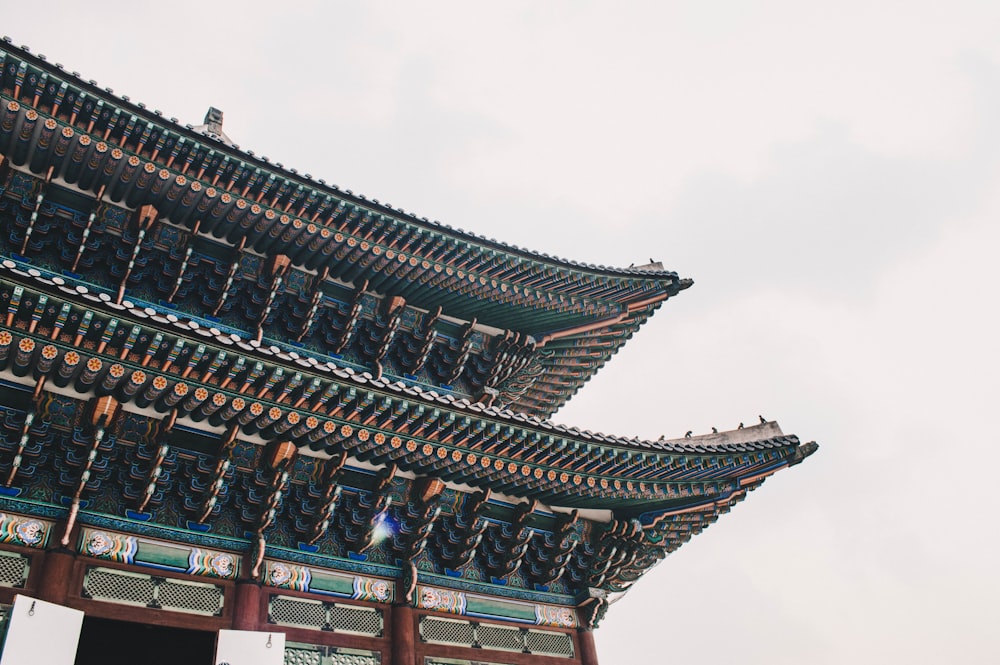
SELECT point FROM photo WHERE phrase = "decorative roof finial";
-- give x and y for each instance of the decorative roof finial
(212, 126)
(213, 120)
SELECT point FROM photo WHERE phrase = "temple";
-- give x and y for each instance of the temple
(236, 398)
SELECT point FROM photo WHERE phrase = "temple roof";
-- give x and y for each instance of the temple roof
(574, 315)
(554, 322)
(190, 333)
(327, 408)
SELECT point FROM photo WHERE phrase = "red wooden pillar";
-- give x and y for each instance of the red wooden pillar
(57, 569)
(404, 638)
(588, 652)
(247, 605)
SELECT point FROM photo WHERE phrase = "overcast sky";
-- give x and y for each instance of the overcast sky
(829, 179)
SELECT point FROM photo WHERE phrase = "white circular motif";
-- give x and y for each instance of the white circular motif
(223, 564)
(30, 532)
(280, 574)
(99, 543)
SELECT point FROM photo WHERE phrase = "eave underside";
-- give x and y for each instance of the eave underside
(195, 340)
(62, 128)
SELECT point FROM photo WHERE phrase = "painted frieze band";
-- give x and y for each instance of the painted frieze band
(136, 551)
(457, 602)
(284, 575)
(26, 531)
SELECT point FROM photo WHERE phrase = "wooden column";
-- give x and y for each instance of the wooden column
(588, 652)
(247, 605)
(57, 569)
(404, 638)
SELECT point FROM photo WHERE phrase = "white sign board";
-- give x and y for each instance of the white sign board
(41, 632)
(246, 647)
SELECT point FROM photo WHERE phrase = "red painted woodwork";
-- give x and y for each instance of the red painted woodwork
(120, 612)
(588, 651)
(247, 605)
(404, 636)
(57, 572)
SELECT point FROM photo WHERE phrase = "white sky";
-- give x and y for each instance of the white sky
(828, 177)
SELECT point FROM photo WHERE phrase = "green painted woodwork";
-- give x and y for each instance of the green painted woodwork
(481, 605)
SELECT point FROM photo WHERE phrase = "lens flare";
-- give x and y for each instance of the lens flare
(384, 528)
